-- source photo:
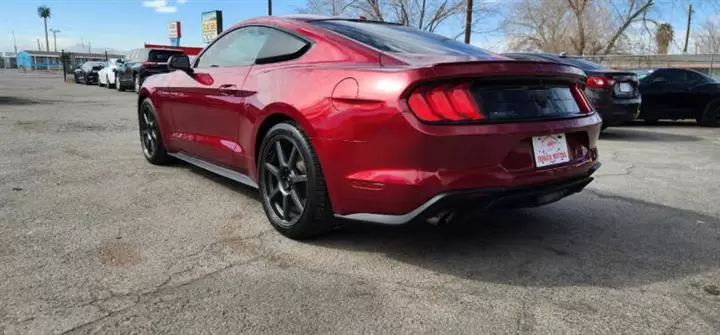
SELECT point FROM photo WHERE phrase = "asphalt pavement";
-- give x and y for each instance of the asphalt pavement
(93, 239)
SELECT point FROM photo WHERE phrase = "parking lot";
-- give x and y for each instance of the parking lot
(95, 239)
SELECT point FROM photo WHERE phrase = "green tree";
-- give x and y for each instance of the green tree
(44, 13)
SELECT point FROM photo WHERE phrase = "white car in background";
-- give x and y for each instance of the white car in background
(106, 76)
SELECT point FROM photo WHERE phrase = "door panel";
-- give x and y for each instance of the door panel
(206, 109)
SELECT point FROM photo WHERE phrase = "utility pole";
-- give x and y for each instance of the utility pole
(687, 30)
(55, 31)
(468, 21)
(269, 7)
(89, 49)
(39, 47)
(14, 42)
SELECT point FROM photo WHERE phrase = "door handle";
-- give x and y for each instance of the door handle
(227, 89)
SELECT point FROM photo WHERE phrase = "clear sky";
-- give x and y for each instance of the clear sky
(127, 24)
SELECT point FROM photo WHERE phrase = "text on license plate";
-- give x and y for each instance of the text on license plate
(550, 150)
(625, 87)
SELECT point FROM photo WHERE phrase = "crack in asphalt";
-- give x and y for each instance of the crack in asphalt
(146, 293)
(138, 295)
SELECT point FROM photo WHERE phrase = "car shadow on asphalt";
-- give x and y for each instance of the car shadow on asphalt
(588, 239)
(585, 240)
(643, 135)
(16, 101)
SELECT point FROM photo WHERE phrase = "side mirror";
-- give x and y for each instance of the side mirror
(180, 62)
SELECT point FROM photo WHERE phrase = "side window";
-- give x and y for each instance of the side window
(675, 76)
(694, 77)
(237, 48)
(281, 47)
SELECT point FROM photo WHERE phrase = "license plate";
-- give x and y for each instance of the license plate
(625, 87)
(550, 150)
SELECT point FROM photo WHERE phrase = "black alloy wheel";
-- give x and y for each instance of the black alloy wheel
(711, 116)
(292, 187)
(150, 136)
(285, 181)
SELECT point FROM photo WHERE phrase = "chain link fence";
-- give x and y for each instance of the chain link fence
(708, 64)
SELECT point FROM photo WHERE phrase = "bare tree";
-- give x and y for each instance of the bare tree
(423, 14)
(579, 26)
(707, 38)
(533, 25)
(578, 8)
(628, 11)
(330, 7)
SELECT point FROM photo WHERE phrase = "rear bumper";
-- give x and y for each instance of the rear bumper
(485, 199)
(619, 114)
(406, 164)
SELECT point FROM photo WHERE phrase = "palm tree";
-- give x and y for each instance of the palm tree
(663, 36)
(44, 13)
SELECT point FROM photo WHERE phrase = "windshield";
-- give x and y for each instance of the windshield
(704, 78)
(162, 56)
(400, 39)
(642, 73)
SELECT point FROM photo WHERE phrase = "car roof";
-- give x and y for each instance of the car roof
(293, 18)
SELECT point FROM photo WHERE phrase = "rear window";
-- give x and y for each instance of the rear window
(581, 63)
(400, 39)
(162, 56)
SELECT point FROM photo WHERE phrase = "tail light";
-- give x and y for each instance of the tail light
(581, 99)
(448, 102)
(148, 63)
(599, 82)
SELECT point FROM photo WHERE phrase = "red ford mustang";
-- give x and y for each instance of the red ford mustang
(341, 118)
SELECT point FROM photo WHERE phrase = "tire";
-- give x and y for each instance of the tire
(711, 115)
(280, 194)
(136, 82)
(151, 140)
(118, 85)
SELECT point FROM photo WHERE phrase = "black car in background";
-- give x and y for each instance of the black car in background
(678, 94)
(614, 94)
(87, 73)
(142, 63)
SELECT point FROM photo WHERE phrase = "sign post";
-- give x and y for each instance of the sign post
(212, 25)
(174, 33)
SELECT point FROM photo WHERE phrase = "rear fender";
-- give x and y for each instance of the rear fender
(256, 121)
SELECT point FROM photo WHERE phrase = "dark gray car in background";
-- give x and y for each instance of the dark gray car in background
(614, 94)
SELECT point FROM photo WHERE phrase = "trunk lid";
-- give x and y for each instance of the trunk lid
(624, 85)
(497, 91)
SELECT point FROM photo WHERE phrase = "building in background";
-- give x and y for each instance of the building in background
(44, 60)
(8, 60)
